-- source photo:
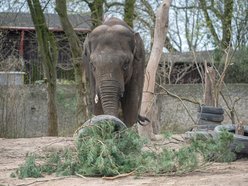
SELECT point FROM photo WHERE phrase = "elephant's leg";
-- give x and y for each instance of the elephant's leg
(133, 90)
(131, 103)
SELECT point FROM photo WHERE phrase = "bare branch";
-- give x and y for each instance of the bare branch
(111, 4)
(181, 99)
(209, 21)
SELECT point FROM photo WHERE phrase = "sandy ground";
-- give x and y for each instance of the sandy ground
(13, 152)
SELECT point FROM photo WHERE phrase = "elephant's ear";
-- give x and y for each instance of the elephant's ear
(86, 56)
(139, 67)
(133, 90)
(89, 75)
(139, 51)
(86, 50)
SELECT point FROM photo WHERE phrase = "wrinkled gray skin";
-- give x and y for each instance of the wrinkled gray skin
(115, 57)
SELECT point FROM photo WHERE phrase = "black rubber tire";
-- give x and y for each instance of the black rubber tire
(96, 120)
(210, 109)
(211, 117)
(207, 125)
(238, 139)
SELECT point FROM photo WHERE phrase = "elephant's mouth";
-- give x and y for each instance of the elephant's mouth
(110, 94)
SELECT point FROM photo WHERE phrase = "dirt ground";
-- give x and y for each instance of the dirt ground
(13, 152)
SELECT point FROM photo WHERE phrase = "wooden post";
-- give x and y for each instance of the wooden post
(210, 75)
(21, 48)
(240, 129)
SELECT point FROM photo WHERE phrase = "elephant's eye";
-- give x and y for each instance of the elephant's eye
(125, 66)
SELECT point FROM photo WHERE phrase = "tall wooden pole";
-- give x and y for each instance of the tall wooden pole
(161, 28)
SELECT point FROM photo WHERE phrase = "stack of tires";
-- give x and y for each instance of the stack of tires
(209, 117)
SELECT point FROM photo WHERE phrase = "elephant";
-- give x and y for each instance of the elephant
(115, 61)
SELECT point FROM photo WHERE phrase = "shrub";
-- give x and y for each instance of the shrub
(215, 149)
(103, 151)
(29, 168)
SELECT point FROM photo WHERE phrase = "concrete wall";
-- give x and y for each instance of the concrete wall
(23, 109)
(173, 115)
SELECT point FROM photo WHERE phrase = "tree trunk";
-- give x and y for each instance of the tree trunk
(225, 16)
(49, 57)
(96, 8)
(227, 23)
(77, 59)
(129, 12)
(161, 28)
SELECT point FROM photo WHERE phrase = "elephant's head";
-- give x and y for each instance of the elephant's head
(114, 53)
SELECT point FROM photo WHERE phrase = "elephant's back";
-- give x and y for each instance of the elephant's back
(112, 25)
(115, 21)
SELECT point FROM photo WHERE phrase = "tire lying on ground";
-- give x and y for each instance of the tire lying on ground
(238, 139)
(211, 117)
(98, 120)
(210, 109)
(209, 125)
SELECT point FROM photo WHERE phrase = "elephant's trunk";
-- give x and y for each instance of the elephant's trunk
(110, 93)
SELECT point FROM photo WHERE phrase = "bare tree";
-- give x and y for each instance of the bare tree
(223, 11)
(146, 16)
(77, 59)
(129, 12)
(161, 27)
(49, 57)
(240, 24)
(96, 9)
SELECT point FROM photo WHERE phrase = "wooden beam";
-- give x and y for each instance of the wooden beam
(21, 47)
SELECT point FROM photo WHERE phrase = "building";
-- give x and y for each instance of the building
(18, 44)
(183, 68)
